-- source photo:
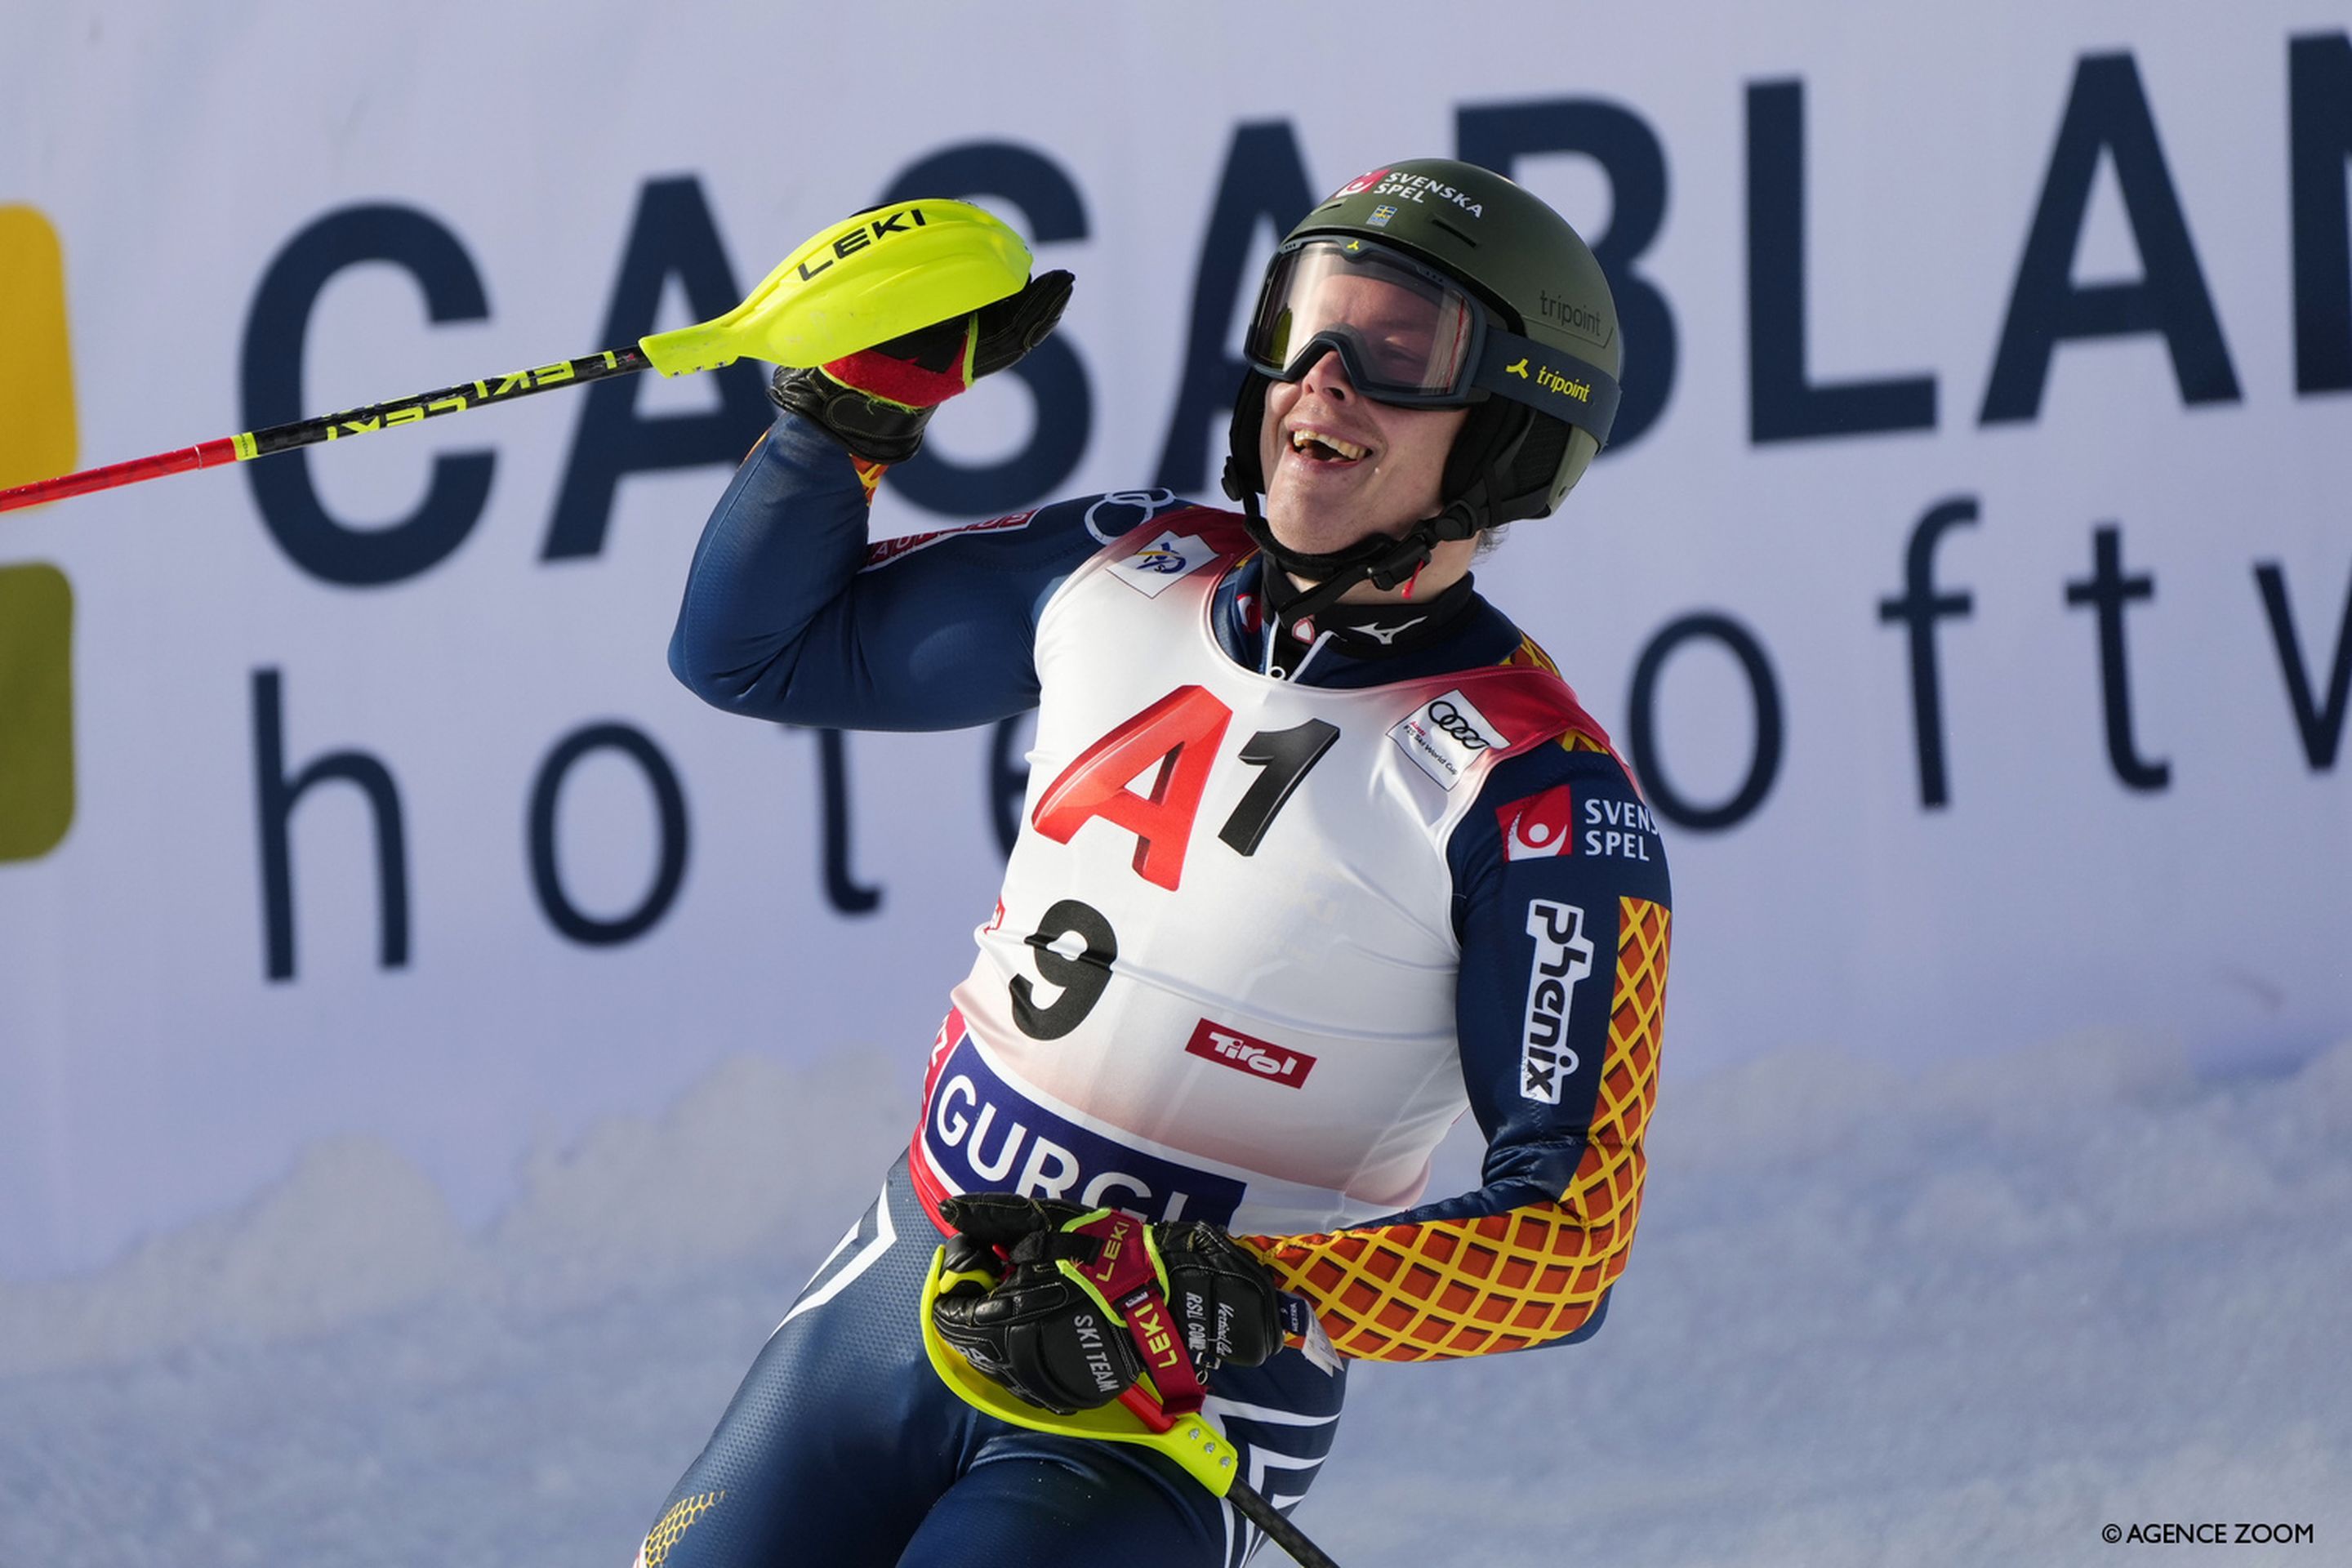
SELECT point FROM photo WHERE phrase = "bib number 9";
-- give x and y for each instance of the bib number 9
(1081, 975)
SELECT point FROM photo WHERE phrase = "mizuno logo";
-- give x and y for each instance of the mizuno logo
(1385, 636)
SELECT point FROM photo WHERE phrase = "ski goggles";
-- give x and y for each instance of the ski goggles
(1410, 336)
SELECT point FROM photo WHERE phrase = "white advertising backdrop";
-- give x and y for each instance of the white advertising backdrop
(2070, 272)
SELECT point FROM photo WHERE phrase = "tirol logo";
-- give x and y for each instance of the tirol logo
(1445, 736)
(1361, 184)
(1231, 1047)
(1537, 827)
(1563, 956)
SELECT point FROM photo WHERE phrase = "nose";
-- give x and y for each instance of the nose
(1328, 376)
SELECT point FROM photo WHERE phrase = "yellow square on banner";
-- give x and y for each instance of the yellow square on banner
(36, 757)
(37, 400)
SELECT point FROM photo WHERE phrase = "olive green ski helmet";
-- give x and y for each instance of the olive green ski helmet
(1517, 323)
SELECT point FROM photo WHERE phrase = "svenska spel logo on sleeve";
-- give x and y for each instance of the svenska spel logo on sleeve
(38, 440)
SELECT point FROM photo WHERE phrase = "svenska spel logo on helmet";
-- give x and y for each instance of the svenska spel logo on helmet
(1421, 188)
(1361, 183)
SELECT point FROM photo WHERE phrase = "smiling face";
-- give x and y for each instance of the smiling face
(1339, 467)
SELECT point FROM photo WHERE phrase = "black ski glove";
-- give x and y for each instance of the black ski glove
(877, 401)
(1067, 1307)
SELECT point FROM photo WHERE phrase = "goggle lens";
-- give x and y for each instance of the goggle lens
(1400, 331)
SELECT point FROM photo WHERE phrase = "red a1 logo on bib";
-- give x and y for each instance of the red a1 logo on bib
(1180, 732)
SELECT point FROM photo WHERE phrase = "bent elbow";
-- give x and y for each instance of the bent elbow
(731, 690)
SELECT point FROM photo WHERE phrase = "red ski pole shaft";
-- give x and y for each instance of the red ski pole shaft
(330, 427)
(115, 475)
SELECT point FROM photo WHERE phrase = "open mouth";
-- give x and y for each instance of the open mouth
(1321, 447)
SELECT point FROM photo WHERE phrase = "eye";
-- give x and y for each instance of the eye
(1403, 346)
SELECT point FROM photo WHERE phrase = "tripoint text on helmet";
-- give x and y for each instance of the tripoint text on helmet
(1579, 319)
(1551, 380)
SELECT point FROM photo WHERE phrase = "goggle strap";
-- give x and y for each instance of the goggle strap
(1573, 390)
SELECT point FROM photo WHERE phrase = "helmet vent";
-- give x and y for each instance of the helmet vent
(1540, 458)
(1441, 223)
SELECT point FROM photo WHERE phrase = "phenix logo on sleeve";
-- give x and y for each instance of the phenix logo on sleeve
(1564, 957)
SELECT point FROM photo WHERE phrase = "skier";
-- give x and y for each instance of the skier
(1319, 850)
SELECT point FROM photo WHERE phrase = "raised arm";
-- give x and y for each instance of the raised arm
(788, 615)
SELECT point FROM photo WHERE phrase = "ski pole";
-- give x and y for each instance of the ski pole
(329, 428)
(1204, 1452)
(846, 288)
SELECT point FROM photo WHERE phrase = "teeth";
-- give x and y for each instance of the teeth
(1348, 450)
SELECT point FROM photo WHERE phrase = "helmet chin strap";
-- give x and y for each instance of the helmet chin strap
(1382, 560)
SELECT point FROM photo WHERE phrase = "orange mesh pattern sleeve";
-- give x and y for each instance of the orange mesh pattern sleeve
(1504, 1281)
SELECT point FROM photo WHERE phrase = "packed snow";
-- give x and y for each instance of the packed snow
(1969, 1318)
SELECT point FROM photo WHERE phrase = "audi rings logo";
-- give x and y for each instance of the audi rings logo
(1121, 512)
(1447, 736)
(1450, 719)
